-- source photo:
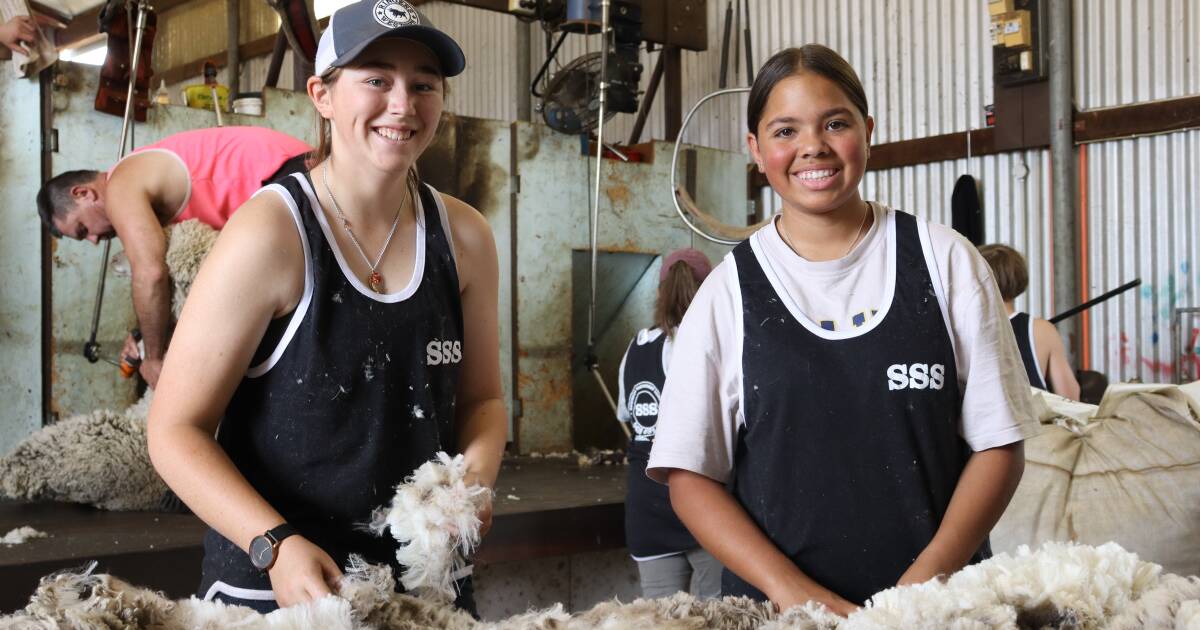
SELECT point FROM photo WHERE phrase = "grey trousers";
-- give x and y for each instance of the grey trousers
(696, 572)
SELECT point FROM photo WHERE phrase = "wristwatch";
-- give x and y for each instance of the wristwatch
(264, 548)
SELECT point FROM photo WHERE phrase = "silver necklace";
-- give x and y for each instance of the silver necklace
(374, 279)
(857, 235)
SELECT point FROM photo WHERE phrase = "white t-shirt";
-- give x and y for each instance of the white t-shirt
(700, 411)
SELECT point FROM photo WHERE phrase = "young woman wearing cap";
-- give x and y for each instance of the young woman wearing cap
(669, 559)
(847, 371)
(325, 331)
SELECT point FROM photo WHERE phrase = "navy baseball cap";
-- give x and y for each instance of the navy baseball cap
(353, 27)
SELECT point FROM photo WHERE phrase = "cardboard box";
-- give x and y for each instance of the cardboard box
(996, 7)
(1017, 30)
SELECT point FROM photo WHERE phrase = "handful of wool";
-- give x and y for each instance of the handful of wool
(434, 517)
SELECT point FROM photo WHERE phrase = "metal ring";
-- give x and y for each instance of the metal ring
(675, 160)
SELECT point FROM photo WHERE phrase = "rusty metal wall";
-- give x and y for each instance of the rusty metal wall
(89, 140)
(551, 216)
(20, 260)
(1143, 220)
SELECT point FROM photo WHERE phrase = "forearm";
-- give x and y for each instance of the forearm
(202, 475)
(482, 433)
(722, 526)
(152, 305)
(984, 489)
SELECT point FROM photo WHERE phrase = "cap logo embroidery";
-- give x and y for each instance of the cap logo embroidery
(395, 13)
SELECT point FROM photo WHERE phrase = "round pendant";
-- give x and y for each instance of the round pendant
(375, 281)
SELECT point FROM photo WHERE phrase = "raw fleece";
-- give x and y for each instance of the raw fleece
(1062, 585)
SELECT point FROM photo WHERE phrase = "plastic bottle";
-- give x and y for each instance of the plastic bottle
(161, 96)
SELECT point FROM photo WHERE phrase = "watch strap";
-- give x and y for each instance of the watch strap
(277, 534)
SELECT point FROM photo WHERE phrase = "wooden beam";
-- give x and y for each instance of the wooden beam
(950, 146)
(1095, 125)
(261, 46)
(1137, 120)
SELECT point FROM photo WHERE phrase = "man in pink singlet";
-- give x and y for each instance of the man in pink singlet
(204, 174)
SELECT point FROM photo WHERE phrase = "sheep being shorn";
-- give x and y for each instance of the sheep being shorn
(188, 243)
(99, 458)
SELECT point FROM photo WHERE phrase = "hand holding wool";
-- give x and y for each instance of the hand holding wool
(435, 518)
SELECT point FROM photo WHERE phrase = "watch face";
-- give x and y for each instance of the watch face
(262, 552)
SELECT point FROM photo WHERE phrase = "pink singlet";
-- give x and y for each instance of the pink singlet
(226, 165)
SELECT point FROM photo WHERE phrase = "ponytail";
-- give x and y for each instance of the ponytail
(675, 293)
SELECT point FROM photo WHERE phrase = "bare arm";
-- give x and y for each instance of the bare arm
(1053, 354)
(983, 492)
(226, 315)
(132, 193)
(482, 418)
(721, 525)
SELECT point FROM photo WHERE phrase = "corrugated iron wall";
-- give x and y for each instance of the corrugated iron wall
(1131, 51)
(194, 30)
(1143, 220)
(926, 68)
(487, 88)
(1015, 194)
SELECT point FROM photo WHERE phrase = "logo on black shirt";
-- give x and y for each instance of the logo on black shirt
(438, 352)
(916, 376)
(642, 404)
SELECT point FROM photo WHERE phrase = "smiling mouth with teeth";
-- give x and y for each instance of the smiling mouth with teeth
(821, 174)
(395, 134)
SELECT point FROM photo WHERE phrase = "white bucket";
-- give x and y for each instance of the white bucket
(249, 105)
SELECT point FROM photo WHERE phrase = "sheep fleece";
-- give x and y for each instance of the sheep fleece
(1062, 585)
(100, 458)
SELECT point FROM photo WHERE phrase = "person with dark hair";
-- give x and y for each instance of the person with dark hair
(669, 559)
(342, 332)
(1042, 349)
(203, 174)
(845, 408)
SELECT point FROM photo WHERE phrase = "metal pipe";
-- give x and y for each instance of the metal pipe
(604, 48)
(273, 70)
(1063, 165)
(746, 41)
(675, 163)
(1067, 314)
(91, 349)
(723, 82)
(233, 59)
(612, 403)
(524, 58)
